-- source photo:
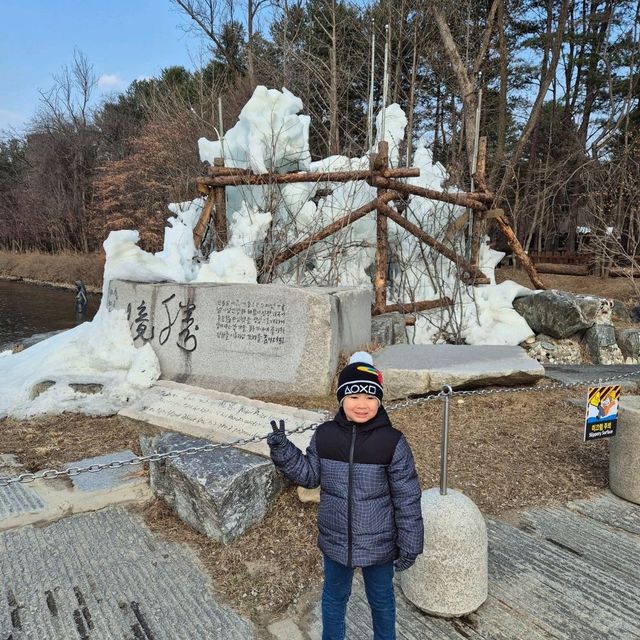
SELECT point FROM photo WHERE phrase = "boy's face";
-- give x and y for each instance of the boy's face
(360, 407)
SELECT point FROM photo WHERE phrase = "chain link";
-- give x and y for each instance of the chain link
(406, 403)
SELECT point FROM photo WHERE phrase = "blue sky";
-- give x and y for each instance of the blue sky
(122, 39)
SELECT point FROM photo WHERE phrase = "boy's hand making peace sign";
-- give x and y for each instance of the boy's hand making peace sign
(278, 438)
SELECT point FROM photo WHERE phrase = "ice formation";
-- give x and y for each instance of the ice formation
(100, 352)
(479, 315)
(270, 135)
(41, 379)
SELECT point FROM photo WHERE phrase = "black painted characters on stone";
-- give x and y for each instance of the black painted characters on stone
(141, 324)
(187, 340)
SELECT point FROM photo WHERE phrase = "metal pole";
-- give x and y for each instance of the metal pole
(446, 393)
(371, 81)
(221, 132)
(385, 82)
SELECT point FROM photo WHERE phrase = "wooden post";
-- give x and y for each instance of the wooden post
(350, 218)
(220, 215)
(519, 253)
(473, 201)
(478, 219)
(470, 275)
(232, 178)
(425, 305)
(380, 163)
(203, 221)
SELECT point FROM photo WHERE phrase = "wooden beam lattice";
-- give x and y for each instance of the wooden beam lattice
(388, 188)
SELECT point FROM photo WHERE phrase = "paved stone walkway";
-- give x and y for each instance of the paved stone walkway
(570, 573)
(561, 573)
(105, 576)
(570, 373)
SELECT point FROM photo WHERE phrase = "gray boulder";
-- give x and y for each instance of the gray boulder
(388, 329)
(629, 342)
(601, 342)
(559, 314)
(619, 312)
(220, 493)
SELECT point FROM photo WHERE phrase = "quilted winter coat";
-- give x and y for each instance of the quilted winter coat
(369, 509)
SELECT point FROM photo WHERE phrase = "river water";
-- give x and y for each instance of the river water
(26, 309)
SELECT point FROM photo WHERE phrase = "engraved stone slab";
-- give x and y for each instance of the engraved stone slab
(17, 499)
(218, 416)
(244, 338)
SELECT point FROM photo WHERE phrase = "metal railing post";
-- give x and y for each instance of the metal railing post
(446, 393)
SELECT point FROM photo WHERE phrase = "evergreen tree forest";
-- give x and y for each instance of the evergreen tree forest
(555, 82)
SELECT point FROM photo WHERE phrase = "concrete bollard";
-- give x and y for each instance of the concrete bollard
(624, 451)
(450, 578)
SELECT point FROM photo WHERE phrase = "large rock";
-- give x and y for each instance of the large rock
(420, 368)
(619, 312)
(560, 314)
(624, 451)
(388, 329)
(601, 342)
(220, 493)
(450, 578)
(629, 342)
(243, 338)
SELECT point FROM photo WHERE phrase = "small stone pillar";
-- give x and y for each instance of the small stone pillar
(450, 578)
(624, 451)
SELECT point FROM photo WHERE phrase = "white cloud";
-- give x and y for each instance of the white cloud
(110, 81)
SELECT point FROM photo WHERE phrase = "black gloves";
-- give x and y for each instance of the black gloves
(278, 438)
(405, 561)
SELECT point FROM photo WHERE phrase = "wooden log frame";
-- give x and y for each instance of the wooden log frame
(303, 245)
(471, 274)
(240, 179)
(382, 178)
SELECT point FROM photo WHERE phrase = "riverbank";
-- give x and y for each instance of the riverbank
(56, 270)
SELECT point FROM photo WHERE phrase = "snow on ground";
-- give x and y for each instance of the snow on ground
(270, 135)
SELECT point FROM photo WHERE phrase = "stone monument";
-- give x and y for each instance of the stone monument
(246, 339)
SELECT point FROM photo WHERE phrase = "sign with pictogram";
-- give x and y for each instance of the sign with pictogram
(602, 412)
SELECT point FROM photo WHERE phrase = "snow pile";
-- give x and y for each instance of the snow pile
(100, 352)
(479, 315)
(270, 135)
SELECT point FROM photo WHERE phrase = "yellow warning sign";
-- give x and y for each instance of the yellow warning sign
(602, 412)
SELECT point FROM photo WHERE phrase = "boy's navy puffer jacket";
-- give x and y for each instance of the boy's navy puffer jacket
(369, 492)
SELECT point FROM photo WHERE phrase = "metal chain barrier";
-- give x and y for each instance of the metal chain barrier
(446, 393)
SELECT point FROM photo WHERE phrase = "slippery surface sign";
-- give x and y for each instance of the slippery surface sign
(602, 412)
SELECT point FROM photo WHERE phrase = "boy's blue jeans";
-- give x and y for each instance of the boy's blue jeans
(378, 584)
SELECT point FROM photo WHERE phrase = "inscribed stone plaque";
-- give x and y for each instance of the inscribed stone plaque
(217, 416)
(246, 339)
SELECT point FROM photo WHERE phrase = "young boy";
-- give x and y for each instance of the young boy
(369, 514)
